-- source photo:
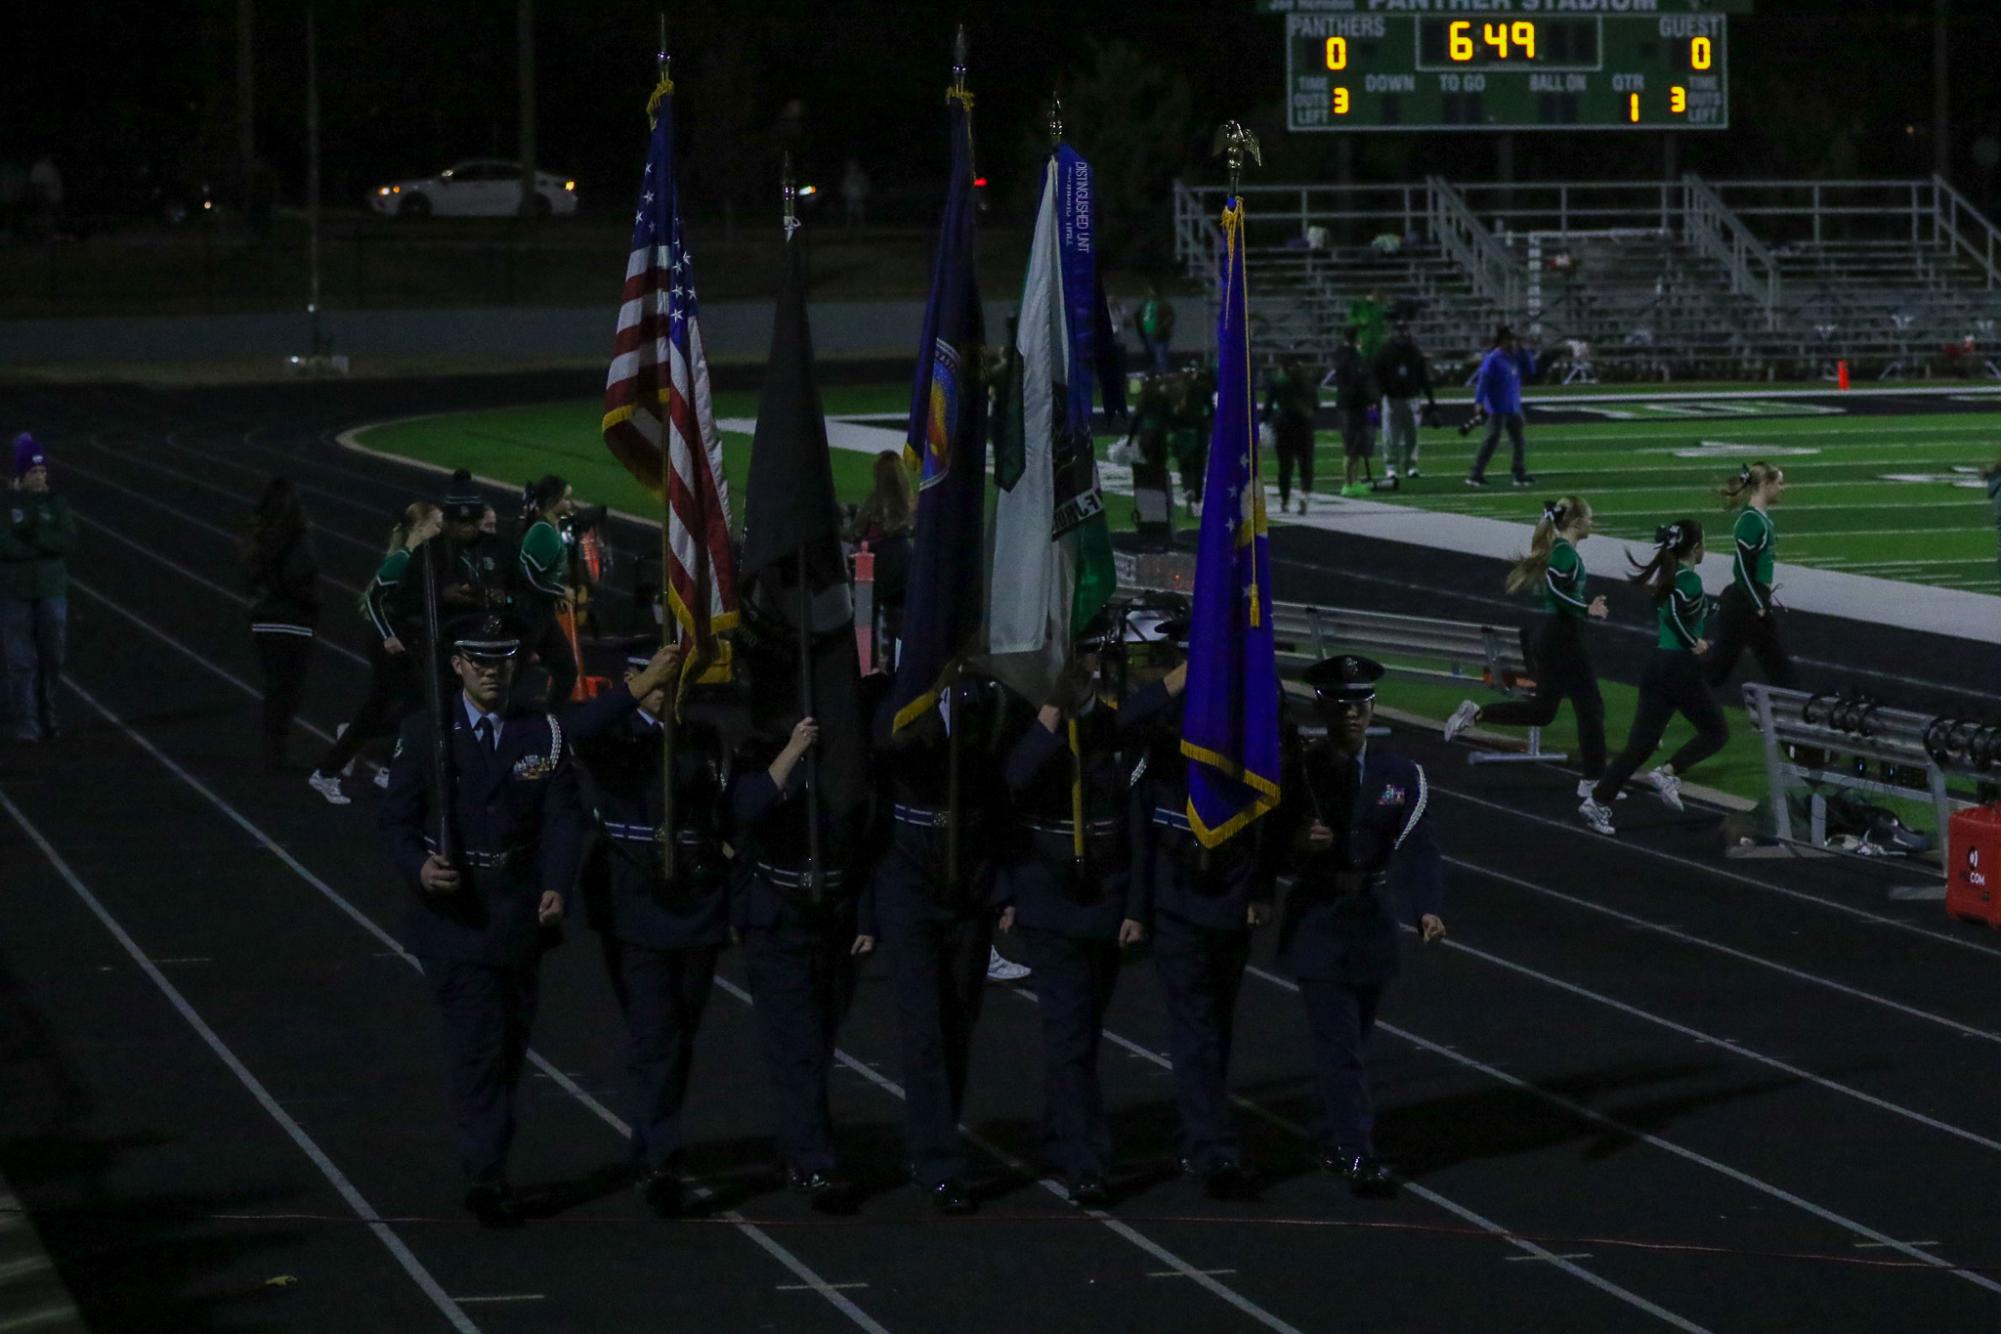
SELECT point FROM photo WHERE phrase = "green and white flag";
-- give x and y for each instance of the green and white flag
(1050, 568)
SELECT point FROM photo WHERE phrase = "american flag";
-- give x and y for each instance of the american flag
(658, 418)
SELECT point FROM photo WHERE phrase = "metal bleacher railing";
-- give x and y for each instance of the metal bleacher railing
(1472, 656)
(1819, 743)
(1663, 279)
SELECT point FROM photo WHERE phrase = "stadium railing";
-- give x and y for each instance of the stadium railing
(1663, 279)
(1461, 653)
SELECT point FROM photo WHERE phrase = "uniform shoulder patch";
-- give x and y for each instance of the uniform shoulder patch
(1393, 795)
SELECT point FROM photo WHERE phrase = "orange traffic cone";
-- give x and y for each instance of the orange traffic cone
(1841, 375)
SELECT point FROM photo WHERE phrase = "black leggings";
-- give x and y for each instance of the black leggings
(1739, 626)
(392, 689)
(551, 648)
(284, 658)
(1294, 446)
(1563, 670)
(1672, 683)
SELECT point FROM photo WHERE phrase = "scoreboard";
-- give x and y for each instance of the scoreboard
(1505, 64)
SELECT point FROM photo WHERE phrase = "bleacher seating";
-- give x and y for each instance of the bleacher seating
(1661, 280)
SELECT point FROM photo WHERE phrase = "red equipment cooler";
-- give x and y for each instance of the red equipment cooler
(1973, 881)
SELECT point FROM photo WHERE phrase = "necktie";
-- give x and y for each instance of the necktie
(485, 731)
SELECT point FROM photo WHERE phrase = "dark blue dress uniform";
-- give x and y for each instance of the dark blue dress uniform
(660, 938)
(1338, 930)
(520, 831)
(1201, 901)
(1069, 910)
(797, 919)
(938, 920)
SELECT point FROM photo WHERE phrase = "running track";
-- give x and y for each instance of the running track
(1642, 1086)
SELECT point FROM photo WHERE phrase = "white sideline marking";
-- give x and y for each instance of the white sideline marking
(743, 1225)
(996, 1152)
(293, 1130)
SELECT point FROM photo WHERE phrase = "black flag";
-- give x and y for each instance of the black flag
(792, 527)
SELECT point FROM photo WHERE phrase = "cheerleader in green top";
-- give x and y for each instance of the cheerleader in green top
(1562, 663)
(392, 686)
(1672, 682)
(542, 581)
(1746, 614)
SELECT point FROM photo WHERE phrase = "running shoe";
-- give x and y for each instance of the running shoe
(1411, 472)
(328, 786)
(1667, 787)
(1587, 786)
(1462, 718)
(1597, 816)
(1001, 969)
(1476, 481)
(381, 779)
(1525, 479)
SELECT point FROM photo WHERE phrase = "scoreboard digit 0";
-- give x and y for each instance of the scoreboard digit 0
(1515, 65)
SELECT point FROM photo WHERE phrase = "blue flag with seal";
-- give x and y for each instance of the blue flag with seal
(947, 441)
(1229, 721)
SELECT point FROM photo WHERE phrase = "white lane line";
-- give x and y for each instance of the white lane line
(235, 539)
(177, 645)
(799, 1267)
(41, 1317)
(996, 1152)
(1798, 974)
(1647, 1137)
(1730, 1045)
(194, 481)
(182, 570)
(1530, 1249)
(1176, 1273)
(1559, 1255)
(801, 1287)
(171, 441)
(1720, 873)
(293, 1130)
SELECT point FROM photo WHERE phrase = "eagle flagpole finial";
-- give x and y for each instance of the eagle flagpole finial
(1233, 144)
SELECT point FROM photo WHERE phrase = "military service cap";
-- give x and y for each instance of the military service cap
(485, 636)
(1347, 677)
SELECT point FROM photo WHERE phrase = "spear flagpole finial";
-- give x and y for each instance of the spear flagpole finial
(959, 60)
(660, 52)
(1055, 120)
(790, 191)
(1233, 144)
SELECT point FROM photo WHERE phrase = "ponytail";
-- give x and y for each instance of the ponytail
(1528, 570)
(1672, 542)
(414, 516)
(1750, 479)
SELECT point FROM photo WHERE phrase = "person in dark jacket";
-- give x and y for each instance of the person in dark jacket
(933, 894)
(660, 933)
(1203, 905)
(1070, 891)
(284, 608)
(1403, 374)
(1355, 388)
(804, 922)
(487, 866)
(1292, 400)
(37, 537)
(1355, 825)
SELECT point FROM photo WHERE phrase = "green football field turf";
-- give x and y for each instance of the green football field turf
(1839, 513)
(516, 444)
(1898, 496)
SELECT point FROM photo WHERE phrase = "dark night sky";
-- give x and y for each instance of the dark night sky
(1818, 87)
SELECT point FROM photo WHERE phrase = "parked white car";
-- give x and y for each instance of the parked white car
(481, 188)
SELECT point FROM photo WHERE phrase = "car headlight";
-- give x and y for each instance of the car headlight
(571, 186)
(382, 190)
